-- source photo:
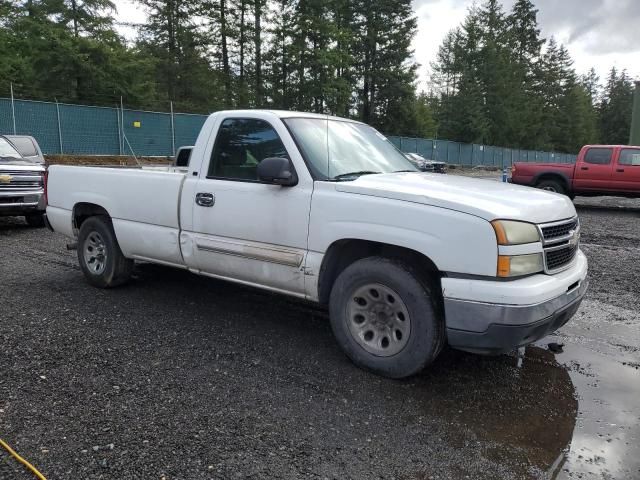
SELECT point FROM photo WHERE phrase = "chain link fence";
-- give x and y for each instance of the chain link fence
(476, 154)
(68, 129)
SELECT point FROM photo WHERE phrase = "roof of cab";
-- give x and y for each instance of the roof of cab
(291, 114)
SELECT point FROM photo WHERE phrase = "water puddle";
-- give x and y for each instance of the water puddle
(602, 356)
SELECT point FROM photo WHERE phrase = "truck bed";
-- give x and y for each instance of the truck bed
(143, 205)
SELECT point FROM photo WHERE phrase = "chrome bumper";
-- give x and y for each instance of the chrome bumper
(18, 202)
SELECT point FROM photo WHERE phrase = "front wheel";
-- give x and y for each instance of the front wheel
(99, 254)
(386, 317)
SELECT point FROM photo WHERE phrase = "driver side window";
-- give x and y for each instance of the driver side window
(241, 144)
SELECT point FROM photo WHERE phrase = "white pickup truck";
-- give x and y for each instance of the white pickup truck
(327, 209)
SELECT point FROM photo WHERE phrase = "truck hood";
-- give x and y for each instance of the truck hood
(483, 198)
(17, 164)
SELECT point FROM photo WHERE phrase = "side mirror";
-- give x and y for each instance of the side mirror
(278, 171)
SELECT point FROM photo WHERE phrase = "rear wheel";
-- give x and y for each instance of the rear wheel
(552, 186)
(35, 220)
(99, 254)
(386, 318)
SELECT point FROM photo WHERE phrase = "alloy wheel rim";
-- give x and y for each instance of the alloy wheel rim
(378, 319)
(95, 253)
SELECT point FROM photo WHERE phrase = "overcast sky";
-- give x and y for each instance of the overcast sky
(598, 33)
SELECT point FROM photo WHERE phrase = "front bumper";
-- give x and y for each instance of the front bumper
(21, 202)
(494, 328)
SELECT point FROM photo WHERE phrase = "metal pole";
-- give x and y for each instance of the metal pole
(13, 110)
(634, 137)
(122, 123)
(59, 127)
(119, 131)
(173, 133)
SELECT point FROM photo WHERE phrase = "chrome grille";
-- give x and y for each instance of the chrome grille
(561, 242)
(556, 259)
(20, 180)
(559, 230)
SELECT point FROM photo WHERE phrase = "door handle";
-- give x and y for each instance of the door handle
(584, 168)
(205, 199)
(619, 169)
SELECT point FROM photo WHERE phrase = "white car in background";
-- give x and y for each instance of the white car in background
(425, 165)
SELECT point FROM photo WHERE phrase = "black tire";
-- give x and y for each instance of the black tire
(416, 294)
(115, 269)
(552, 186)
(35, 220)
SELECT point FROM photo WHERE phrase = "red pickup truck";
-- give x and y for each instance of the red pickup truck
(599, 170)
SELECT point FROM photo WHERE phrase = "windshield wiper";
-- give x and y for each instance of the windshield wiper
(347, 176)
(402, 171)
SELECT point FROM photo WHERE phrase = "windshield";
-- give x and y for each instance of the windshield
(25, 146)
(7, 152)
(341, 150)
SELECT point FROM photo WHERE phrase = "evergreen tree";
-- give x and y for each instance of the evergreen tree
(616, 108)
(497, 81)
(183, 74)
(279, 56)
(69, 50)
(382, 64)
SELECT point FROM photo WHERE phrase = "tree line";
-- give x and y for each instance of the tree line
(495, 80)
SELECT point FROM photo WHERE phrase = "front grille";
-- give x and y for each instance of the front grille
(561, 230)
(20, 180)
(556, 259)
(560, 242)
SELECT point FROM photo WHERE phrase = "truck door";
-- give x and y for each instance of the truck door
(243, 229)
(594, 171)
(626, 174)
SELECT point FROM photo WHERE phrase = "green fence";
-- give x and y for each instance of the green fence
(80, 129)
(476, 154)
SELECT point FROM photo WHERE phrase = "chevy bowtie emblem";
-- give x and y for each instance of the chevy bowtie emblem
(5, 178)
(575, 237)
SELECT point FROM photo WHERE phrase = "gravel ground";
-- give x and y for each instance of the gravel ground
(180, 377)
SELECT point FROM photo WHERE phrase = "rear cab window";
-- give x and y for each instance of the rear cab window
(598, 156)
(630, 157)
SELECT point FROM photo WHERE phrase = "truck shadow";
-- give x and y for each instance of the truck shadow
(527, 412)
(9, 224)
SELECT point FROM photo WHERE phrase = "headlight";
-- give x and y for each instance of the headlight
(517, 265)
(509, 232)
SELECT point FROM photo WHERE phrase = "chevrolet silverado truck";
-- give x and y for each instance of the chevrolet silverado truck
(21, 185)
(327, 209)
(599, 170)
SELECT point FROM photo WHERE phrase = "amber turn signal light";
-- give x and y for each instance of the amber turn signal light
(504, 265)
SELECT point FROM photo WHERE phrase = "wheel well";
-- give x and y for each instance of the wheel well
(82, 211)
(555, 177)
(343, 253)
